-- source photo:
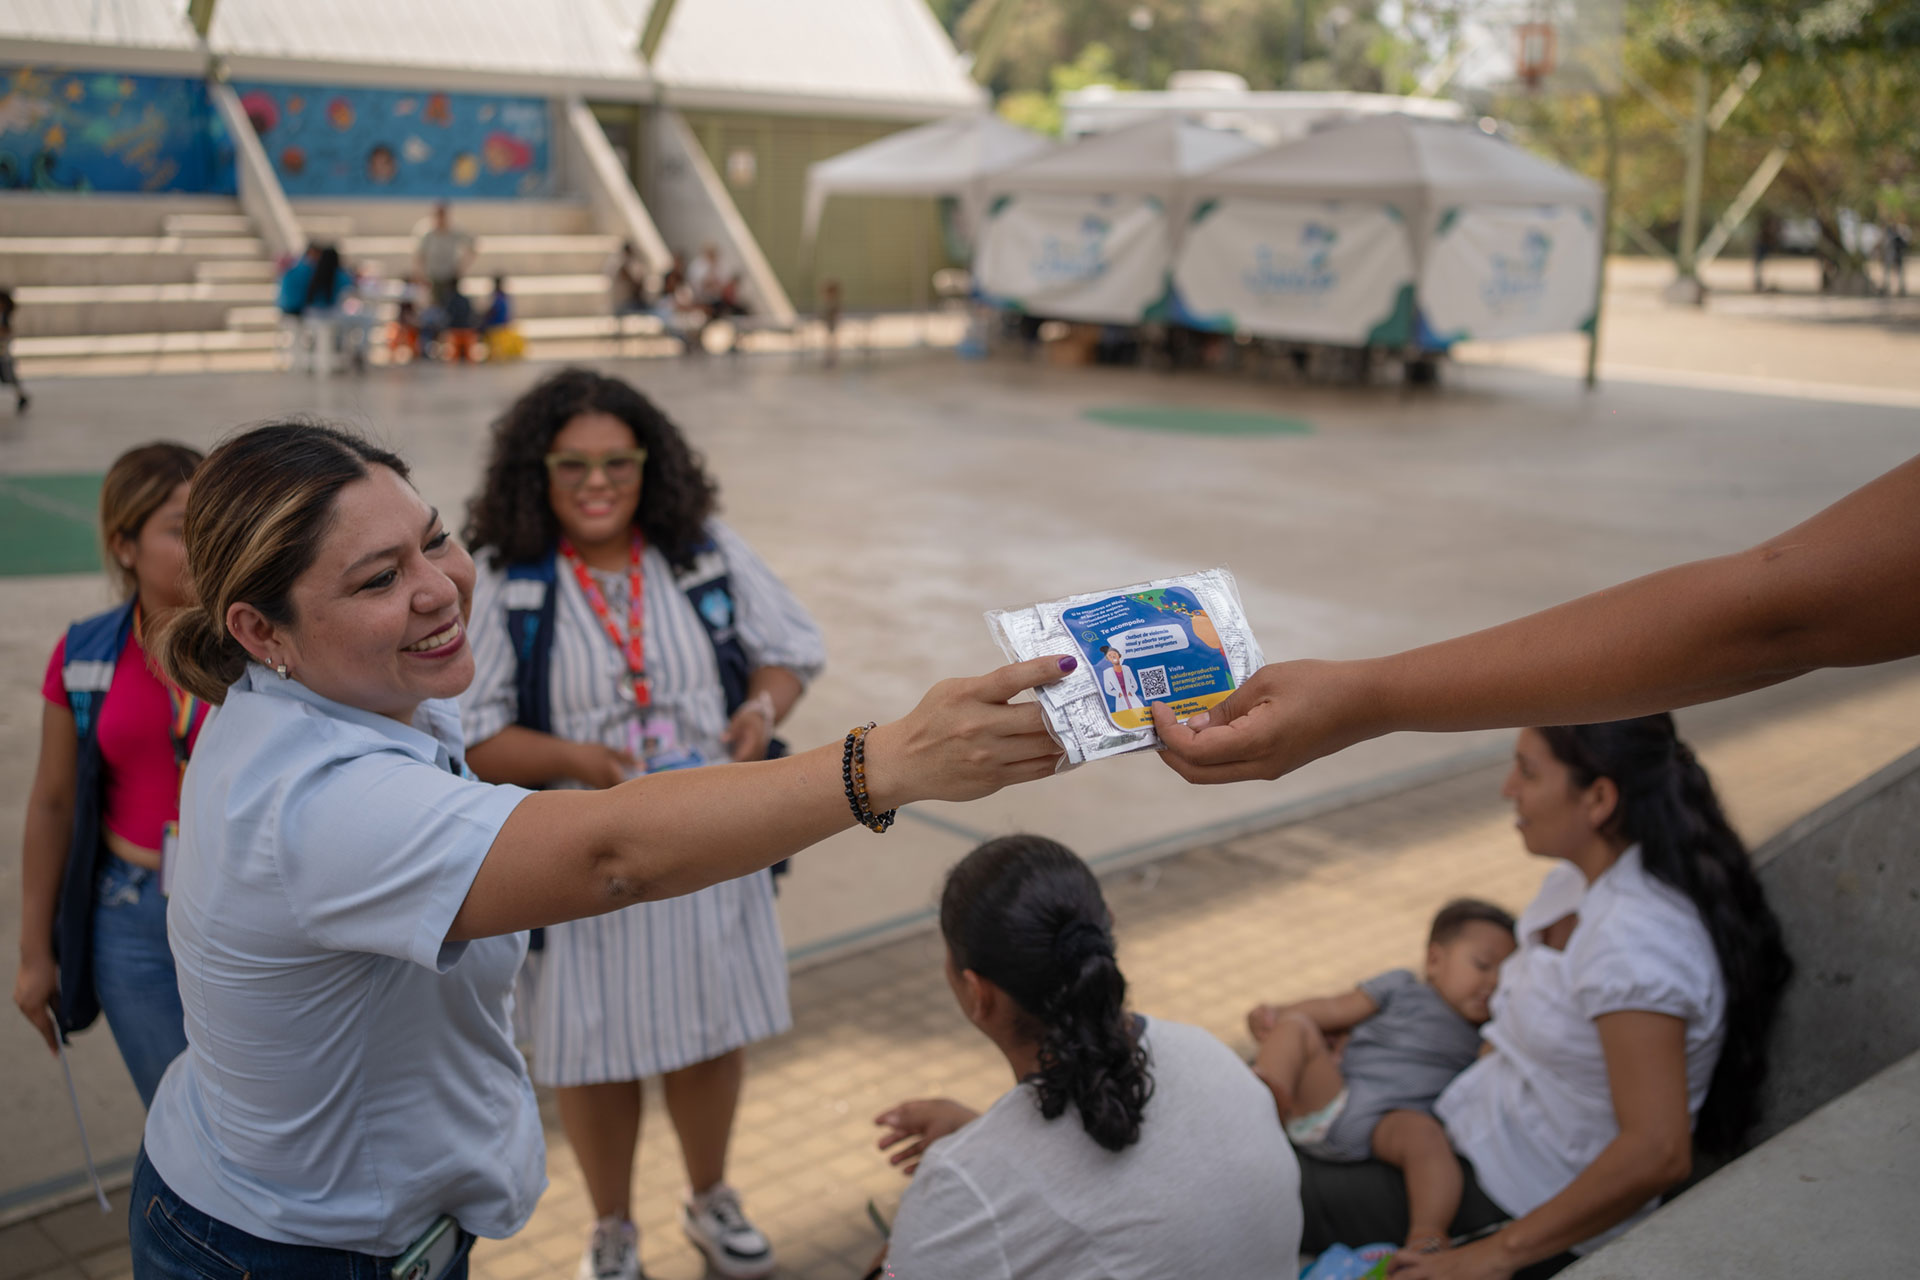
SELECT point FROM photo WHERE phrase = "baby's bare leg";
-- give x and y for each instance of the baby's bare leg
(1414, 1143)
(1296, 1065)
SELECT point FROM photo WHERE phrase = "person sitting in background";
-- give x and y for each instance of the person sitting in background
(497, 328)
(1631, 1023)
(1405, 1042)
(1129, 1147)
(627, 281)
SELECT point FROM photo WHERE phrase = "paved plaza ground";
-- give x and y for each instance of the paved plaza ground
(904, 495)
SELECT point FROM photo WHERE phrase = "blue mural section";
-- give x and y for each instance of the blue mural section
(388, 142)
(76, 130)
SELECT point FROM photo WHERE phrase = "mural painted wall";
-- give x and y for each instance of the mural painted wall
(386, 142)
(76, 130)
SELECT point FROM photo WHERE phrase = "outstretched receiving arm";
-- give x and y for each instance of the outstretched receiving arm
(1841, 590)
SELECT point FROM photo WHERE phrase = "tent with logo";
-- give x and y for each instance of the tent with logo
(1394, 231)
(1088, 232)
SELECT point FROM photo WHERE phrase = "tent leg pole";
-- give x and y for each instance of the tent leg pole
(1606, 235)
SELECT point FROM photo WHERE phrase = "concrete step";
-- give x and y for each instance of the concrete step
(137, 344)
(101, 214)
(222, 271)
(206, 224)
(77, 310)
(100, 260)
(511, 255)
(478, 217)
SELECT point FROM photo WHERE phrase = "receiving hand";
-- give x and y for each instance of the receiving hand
(1285, 715)
(34, 988)
(1481, 1260)
(600, 766)
(964, 740)
(749, 732)
(926, 1121)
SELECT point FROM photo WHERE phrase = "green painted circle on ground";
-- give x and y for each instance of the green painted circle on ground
(1199, 422)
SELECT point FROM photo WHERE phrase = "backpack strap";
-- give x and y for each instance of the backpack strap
(708, 587)
(530, 600)
(92, 651)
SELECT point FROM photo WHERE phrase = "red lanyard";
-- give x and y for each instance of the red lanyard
(632, 646)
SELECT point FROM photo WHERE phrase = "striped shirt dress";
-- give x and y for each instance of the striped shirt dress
(663, 985)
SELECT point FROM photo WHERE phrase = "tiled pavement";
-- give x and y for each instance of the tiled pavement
(1298, 909)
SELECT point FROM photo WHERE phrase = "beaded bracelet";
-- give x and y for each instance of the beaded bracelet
(853, 772)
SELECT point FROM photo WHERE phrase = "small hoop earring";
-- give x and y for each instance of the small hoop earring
(281, 670)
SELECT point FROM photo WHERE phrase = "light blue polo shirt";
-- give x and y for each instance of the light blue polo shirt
(349, 1075)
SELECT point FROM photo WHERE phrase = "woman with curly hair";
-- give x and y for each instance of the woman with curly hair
(1129, 1147)
(619, 629)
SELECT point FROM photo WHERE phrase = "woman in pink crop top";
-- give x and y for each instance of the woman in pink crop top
(90, 864)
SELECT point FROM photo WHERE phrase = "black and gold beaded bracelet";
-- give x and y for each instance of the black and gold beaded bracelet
(853, 772)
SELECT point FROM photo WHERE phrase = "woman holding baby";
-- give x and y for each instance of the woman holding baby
(1630, 1023)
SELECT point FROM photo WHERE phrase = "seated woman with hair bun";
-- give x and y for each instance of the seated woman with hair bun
(1128, 1148)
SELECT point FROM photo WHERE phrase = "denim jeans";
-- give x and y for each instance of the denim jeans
(172, 1240)
(133, 972)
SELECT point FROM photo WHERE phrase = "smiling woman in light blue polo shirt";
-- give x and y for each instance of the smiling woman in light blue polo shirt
(348, 901)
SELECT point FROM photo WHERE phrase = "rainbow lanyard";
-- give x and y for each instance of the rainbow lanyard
(185, 705)
(632, 645)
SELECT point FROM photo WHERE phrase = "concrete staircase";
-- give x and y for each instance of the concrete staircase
(106, 275)
(113, 277)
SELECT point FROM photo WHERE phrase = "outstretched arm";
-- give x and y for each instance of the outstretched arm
(1842, 589)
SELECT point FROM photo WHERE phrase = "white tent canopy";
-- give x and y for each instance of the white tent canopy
(1422, 167)
(1392, 231)
(1154, 157)
(951, 157)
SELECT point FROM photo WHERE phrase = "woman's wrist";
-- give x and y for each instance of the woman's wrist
(888, 776)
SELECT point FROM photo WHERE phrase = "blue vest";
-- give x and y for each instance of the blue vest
(530, 596)
(92, 652)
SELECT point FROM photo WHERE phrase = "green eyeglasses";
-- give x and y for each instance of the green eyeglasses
(571, 470)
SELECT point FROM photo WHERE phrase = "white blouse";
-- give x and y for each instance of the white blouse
(1534, 1113)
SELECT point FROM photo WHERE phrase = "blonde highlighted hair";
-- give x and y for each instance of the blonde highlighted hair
(138, 484)
(260, 507)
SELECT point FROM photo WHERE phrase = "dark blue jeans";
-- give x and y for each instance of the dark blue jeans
(133, 972)
(172, 1240)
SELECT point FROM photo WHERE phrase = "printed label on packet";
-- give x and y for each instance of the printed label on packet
(1151, 646)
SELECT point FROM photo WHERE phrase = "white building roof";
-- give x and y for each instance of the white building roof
(555, 45)
(886, 58)
(119, 34)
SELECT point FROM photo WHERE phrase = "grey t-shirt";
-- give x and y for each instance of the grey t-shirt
(441, 251)
(1211, 1189)
(1400, 1059)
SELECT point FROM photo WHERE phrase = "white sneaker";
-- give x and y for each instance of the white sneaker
(718, 1228)
(613, 1253)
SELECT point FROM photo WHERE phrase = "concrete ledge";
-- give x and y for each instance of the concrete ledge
(1832, 1196)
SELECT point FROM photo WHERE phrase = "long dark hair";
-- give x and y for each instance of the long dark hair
(1667, 807)
(1026, 914)
(511, 513)
(326, 276)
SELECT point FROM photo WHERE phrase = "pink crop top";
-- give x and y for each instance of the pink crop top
(136, 747)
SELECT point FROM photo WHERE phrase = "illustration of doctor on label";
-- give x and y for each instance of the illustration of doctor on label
(1152, 646)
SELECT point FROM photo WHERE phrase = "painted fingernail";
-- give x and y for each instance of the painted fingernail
(1068, 664)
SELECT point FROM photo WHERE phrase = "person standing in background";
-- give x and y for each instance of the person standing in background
(443, 255)
(105, 804)
(9, 371)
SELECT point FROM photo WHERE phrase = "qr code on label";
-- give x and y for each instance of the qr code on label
(1153, 682)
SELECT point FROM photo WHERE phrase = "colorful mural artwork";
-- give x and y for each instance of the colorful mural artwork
(68, 130)
(371, 142)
